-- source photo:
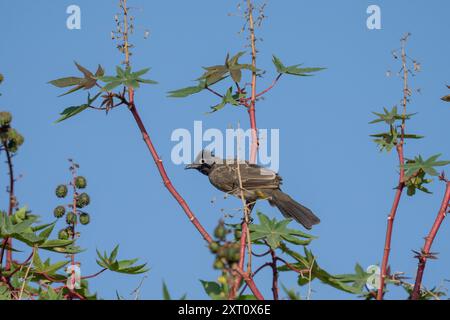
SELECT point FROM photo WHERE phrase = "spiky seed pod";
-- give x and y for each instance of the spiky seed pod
(85, 218)
(83, 200)
(59, 212)
(214, 247)
(61, 191)
(15, 140)
(80, 182)
(71, 218)
(63, 234)
(220, 232)
(70, 231)
(5, 119)
(218, 265)
(232, 253)
(222, 252)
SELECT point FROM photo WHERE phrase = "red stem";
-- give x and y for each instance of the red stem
(428, 243)
(250, 283)
(162, 171)
(390, 224)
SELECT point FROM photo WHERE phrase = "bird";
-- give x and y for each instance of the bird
(253, 182)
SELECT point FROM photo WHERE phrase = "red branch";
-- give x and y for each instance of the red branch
(250, 283)
(390, 224)
(401, 182)
(162, 171)
(428, 243)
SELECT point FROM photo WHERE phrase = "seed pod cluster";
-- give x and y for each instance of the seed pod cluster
(9, 136)
(75, 215)
(227, 253)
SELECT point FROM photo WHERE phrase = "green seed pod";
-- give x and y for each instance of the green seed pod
(5, 119)
(222, 252)
(220, 232)
(63, 234)
(85, 218)
(83, 200)
(61, 191)
(233, 254)
(70, 231)
(71, 218)
(237, 234)
(411, 191)
(15, 140)
(80, 182)
(218, 265)
(214, 247)
(59, 212)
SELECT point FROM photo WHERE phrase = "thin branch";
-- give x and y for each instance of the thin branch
(274, 275)
(12, 204)
(159, 163)
(426, 251)
(401, 183)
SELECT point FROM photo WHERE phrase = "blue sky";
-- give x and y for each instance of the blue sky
(326, 156)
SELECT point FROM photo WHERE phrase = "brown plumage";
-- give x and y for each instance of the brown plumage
(258, 183)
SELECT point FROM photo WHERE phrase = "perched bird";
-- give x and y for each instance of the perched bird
(258, 183)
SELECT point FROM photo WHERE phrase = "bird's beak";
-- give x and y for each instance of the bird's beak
(191, 166)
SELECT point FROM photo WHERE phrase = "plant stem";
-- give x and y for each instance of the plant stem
(274, 275)
(401, 183)
(159, 164)
(429, 242)
(251, 109)
(12, 204)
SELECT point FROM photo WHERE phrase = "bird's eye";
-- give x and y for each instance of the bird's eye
(203, 161)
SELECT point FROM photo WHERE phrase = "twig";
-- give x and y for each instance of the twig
(12, 204)
(274, 275)
(425, 254)
(26, 275)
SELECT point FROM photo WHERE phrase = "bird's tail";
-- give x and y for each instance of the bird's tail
(292, 209)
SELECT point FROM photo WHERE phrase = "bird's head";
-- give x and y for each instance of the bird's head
(204, 162)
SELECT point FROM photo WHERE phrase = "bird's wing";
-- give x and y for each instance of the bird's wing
(223, 178)
(256, 177)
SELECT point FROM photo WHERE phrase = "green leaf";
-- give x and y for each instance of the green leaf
(125, 78)
(428, 166)
(67, 82)
(124, 266)
(166, 294)
(295, 69)
(213, 290)
(71, 111)
(275, 232)
(185, 92)
(87, 82)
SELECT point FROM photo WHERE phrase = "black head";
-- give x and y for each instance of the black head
(204, 162)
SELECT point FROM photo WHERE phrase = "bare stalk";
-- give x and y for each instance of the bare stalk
(426, 250)
(401, 182)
